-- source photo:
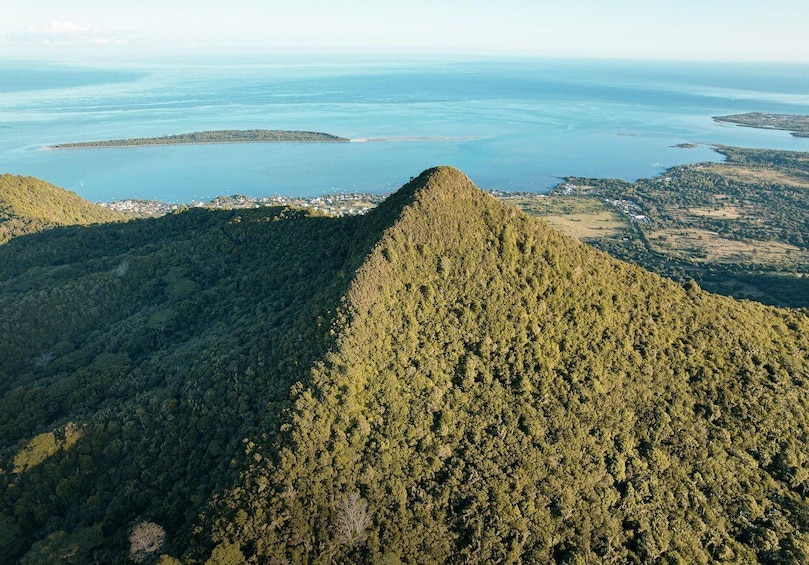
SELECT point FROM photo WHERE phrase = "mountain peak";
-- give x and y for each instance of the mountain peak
(441, 179)
(494, 381)
(443, 183)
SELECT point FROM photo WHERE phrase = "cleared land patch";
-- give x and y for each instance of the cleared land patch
(588, 226)
(719, 213)
(576, 216)
(757, 175)
(705, 246)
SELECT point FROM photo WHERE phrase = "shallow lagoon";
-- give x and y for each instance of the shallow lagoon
(509, 124)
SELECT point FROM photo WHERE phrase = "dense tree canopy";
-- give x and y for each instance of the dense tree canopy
(501, 393)
(442, 380)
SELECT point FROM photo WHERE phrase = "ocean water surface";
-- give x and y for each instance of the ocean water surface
(510, 124)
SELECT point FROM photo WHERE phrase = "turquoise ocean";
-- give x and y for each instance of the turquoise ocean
(510, 124)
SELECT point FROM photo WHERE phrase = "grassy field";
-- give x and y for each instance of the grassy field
(748, 174)
(588, 226)
(720, 212)
(579, 217)
(705, 246)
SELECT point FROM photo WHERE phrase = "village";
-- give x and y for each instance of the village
(341, 204)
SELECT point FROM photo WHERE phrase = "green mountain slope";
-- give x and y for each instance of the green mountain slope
(29, 205)
(501, 393)
(442, 380)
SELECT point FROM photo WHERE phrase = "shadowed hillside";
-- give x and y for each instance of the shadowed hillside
(442, 380)
(137, 358)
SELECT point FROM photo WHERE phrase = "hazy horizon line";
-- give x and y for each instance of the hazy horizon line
(356, 55)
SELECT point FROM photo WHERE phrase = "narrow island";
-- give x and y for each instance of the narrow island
(215, 136)
(797, 125)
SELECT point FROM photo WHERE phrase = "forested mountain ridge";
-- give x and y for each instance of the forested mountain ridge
(29, 205)
(499, 392)
(442, 380)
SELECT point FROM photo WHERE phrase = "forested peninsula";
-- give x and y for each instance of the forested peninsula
(214, 136)
(797, 125)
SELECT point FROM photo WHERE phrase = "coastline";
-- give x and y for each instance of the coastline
(70, 146)
(127, 143)
(796, 124)
(211, 137)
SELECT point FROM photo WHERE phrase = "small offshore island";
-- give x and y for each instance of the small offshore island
(797, 125)
(214, 136)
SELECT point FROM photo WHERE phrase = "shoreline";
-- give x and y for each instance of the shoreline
(796, 124)
(128, 144)
(70, 146)
(406, 139)
(209, 137)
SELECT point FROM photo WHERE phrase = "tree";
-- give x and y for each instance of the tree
(352, 519)
(226, 554)
(146, 539)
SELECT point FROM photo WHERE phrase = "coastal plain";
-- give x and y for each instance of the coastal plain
(739, 228)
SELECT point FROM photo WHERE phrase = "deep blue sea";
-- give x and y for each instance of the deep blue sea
(508, 124)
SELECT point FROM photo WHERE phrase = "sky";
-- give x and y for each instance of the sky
(711, 30)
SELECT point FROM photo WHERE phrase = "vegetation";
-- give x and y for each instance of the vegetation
(168, 342)
(738, 228)
(29, 205)
(499, 393)
(216, 136)
(146, 539)
(584, 218)
(443, 379)
(796, 124)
